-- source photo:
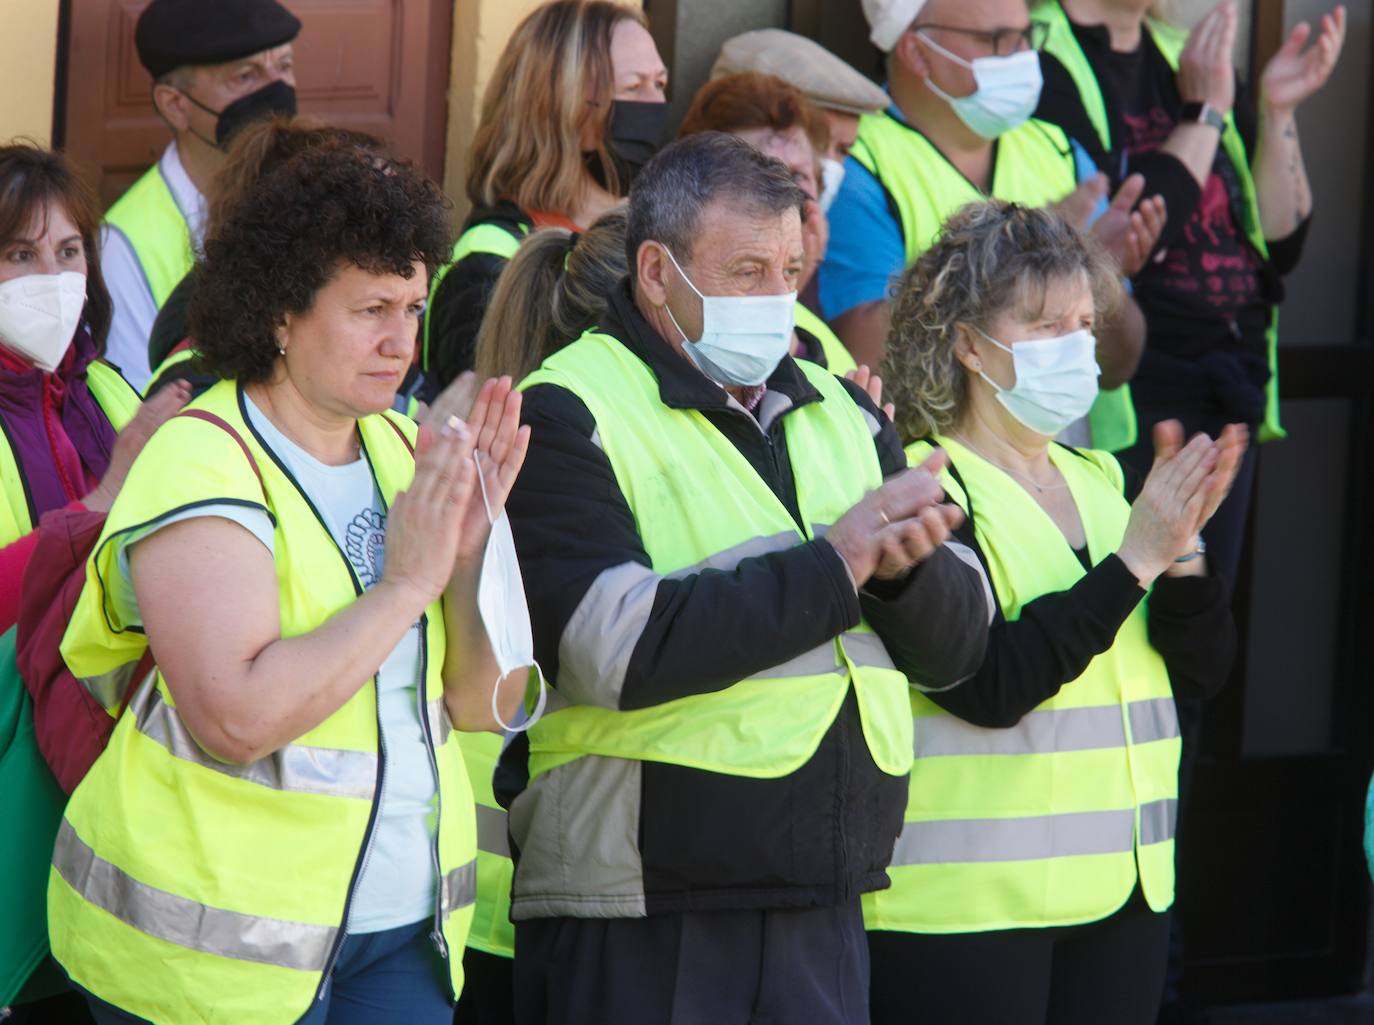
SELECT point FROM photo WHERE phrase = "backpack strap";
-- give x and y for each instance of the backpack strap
(211, 418)
(399, 433)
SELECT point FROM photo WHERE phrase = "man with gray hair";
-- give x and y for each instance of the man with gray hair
(731, 576)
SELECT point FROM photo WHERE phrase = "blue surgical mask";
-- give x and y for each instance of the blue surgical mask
(743, 337)
(1056, 380)
(1008, 88)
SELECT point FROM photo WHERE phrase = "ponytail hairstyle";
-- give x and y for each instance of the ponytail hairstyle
(552, 290)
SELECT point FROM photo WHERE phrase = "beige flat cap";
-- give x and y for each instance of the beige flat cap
(817, 73)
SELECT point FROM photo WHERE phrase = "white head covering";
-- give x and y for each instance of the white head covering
(888, 19)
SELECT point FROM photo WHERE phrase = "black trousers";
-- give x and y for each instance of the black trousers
(782, 967)
(488, 996)
(1110, 971)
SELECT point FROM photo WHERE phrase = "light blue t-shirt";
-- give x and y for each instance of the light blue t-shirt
(399, 882)
(866, 252)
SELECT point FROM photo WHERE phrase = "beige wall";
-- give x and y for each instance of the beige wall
(28, 61)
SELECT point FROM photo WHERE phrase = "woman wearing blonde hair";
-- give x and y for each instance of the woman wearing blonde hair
(1039, 834)
(576, 106)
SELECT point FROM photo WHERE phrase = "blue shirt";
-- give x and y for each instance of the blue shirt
(867, 251)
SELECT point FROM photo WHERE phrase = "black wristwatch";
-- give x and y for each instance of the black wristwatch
(1202, 114)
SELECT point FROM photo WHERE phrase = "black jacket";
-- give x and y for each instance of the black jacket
(817, 837)
(455, 315)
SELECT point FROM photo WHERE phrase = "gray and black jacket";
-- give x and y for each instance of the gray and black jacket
(603, 837)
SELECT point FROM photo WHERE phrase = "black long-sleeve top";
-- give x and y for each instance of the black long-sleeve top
(1058, 634)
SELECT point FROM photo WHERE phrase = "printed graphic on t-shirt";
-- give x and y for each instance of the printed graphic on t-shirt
(1210, 265)
(364, 543)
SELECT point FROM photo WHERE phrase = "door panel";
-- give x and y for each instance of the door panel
(376, 65)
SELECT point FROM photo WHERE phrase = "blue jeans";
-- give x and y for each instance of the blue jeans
(394, 975)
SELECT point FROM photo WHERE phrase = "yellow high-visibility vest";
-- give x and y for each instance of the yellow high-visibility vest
(186, 889)
(1052, 821)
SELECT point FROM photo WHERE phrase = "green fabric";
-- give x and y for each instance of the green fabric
(838, 360)
(1061, 44)
(33, 810)
(480, 238)
(150, 219)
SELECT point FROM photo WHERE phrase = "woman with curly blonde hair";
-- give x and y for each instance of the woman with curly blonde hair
(1039, 833)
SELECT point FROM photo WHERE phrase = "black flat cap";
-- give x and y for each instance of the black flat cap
(173, 33)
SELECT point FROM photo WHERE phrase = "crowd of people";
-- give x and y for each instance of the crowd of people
(408, 582)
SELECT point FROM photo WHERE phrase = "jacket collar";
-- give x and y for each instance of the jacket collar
(680, 384)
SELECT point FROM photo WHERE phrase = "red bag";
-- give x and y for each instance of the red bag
(71, 726)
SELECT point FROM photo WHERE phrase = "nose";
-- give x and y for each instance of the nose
(398, 335)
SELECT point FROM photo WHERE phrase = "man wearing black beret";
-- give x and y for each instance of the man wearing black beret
(216, 67)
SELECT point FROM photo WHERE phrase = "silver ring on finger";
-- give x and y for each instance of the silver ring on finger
(882, 515)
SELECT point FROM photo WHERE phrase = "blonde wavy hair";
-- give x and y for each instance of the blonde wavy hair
(990, 258)
(554, 288)
(554, 73)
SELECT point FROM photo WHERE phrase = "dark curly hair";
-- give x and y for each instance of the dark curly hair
(289, 235)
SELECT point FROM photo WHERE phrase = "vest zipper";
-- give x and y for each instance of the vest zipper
(436, 935)
(363, 854)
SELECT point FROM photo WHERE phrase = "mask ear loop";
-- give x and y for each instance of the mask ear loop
(1005, 348)
(540, 703)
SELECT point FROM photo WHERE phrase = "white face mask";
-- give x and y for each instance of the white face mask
(505, 612)
(1056, 380)
(39, 314)
(743, 337)
(1008, 88)
(832, 173)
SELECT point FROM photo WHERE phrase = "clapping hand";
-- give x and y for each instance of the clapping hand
(1205, 70)
(500, 447)
(873, 385)
(897, 526)
(1292, 74)
(1186, 485)
(1129, 228)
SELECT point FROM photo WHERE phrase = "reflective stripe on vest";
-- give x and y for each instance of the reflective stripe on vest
(148, 217)
(480, 238)
(837, 358)
(119, 402)
(1053, 820)
(244, 853)
(665, 460)
(1061, 43)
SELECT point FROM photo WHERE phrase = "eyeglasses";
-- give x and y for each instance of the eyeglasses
(1000, 41)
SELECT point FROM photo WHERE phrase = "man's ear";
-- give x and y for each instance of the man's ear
(910, 54)
(651, 273)
(173, 105)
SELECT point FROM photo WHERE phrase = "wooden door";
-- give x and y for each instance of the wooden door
(377, 65)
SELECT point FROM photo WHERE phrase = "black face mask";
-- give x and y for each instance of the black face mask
(274, 98)
(633, 136)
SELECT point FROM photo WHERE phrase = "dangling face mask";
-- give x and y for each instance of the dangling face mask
(505, 612)
(832, 173)
(633, 135)
(278, 97)
(1056, 380)
(1007, 90)
(743, 337)
(39, 314)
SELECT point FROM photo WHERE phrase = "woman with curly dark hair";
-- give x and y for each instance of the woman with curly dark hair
(281, 829)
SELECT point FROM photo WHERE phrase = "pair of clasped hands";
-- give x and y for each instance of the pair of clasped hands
(900, 524)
